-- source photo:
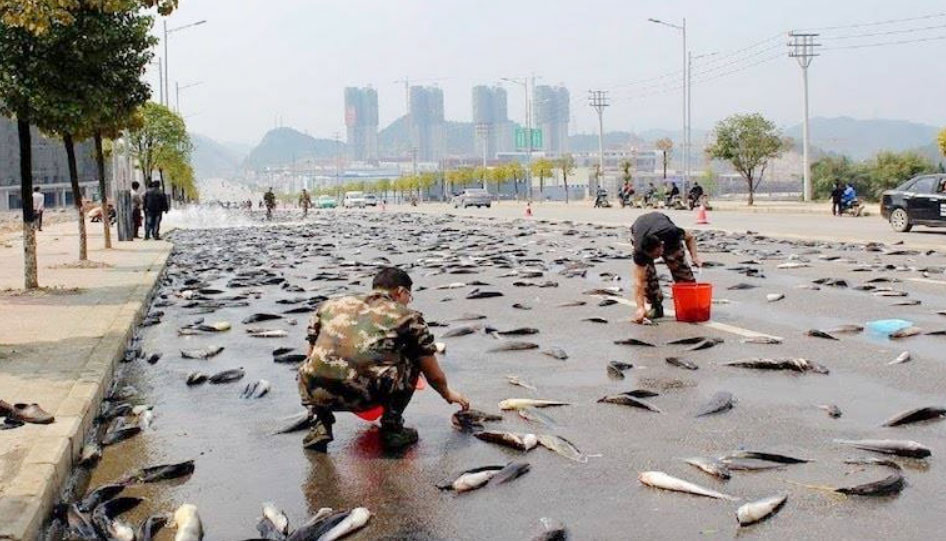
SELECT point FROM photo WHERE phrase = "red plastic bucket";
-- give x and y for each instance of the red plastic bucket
(692, 301)
(376, 412)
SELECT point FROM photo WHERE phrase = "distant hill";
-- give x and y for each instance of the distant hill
(395, 139)
(283, 146)
(212, 159)
(861, 139)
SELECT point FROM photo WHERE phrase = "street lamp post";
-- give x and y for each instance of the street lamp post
(167, 81)
(524, 82)
(686, 143)
(177, 93)
(689, 124)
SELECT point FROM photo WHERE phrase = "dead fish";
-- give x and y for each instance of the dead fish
(916, 415)
(905, 333)
(616, 369)
(551, 531)
(520, 306)
(773, 297)
(516, 380)
(519, 403)
(902, 358)
(563, 447)
(470, 479)
(766, 456)
(846, 329)
(793, 265)
(762, 340)
(890, 293)
(633, 342)
(274, 524)
(681, 363)
(472, 419)
(196, 378)
(151, 526)
(521, 442)
(912, 302)
(687, 341)
(104, 517)
(513, 345)
(461, 331)
(833, 410)
(219, 326)
(227, 376)
(892, 484)
(759, 510)
(797, 365)
(187, 522)
(290, 358)
(453, 285)
(470, 317)
(518, 331)
(721, 401)
(625, 399)
(296, 423)
(571, 304)
(705, 344)
(941, 332)
(477, 294)
(906, 448)
(203, 353)
(556, 353)
(118, 433)
(741, 286)
(257, 389)
(607, 302)
(284, 350)
(338, 525)
(710, 466)
(267, 333)
(748, 464)
(256, 318)
(658, 479)
(80, 525)
(162, 472)
(820, 334)
(509, 472)
(154, 358)
(98, 496)
(90, 455)
(535, 416)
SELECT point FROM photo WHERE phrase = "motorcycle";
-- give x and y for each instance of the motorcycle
(626, 198)
(852, 208)
(601, 199)
(675, 203)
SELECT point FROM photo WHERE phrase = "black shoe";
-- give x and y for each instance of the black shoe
(394, 439)
(656, 311)
(318, 438)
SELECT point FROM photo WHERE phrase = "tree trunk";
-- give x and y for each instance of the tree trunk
(751, 192)
(163, 189)
(565, 182)
(665, 167)
(76, 194)
(30, 277)
(541, 184)
(100, 163)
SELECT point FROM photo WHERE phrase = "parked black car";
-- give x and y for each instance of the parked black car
(918, 201)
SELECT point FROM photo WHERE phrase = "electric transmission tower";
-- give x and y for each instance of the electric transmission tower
(802, 48)
(598, 100)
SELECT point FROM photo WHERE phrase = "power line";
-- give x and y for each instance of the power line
(887, 33)
(880, 23)
(883, 43)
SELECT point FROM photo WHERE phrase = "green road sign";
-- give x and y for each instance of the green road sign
(521, 138)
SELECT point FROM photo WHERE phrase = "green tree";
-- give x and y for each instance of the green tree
(566, 164)
(626, 170)
(941, 140)
(888, 170)
(665, 146)
(40, 16)
(829, 169)
(497, 175)
(159, 139)
(749, 143)
(542, 168)
(516, 172)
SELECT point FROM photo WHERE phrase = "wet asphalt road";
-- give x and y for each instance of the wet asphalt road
(239, 463)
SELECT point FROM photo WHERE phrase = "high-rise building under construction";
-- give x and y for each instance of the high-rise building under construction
(427, 123)
(494, 132)
(550, 108)
(361, 119)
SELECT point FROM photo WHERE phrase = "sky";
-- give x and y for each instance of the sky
(263, 62)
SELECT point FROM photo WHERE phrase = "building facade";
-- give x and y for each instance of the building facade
(550, 112)
(494, 133)
(361, 121)
(50, 169)
(427, 123)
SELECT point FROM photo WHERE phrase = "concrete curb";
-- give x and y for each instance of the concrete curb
(31, 495)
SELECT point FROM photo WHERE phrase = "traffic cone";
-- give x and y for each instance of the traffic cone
(701, 218)
(529, 209)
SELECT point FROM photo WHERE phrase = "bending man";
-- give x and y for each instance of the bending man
(656, 236)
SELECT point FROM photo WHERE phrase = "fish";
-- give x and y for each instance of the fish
(916, 415)
(219, 326)
(902, 358)
(257, 389)
(833, 410)
(521, 442)
(905, 333)
(797, 365)
(595, 320)
(104, 518)
(910, 302)
(119, 432)
(154, 358)
(759, 510)
(625, 399)
(256, 318)
(90, 455)
(516, 380)
(907, 448)
(616, 369)
(681, 363)
(792, 265)
(741, 286)
(562, 446)
(762, 340)
(187, 522)
(774, 297)
(551, 531)
(203, 353)
(477, 294)
(687, 341)
(472, 419)
(607, 302)
(267, 333)
(820, 334)
(273, 524)
(518, 331)
(659, 479)
(766, 456)
(461, 331)
(710, 466)
(519, 403)
(892, 484)
(633, 342)
(720, 402)
(521, 306)
(79, 525)
(705, 344)
(151, 526)
(509, 472)
(513, 345)
(296, 423)
(227, 376)
(290, 358)
(470, 317)
(196, 378)
(282, 350)
(556, 353)
(338, 525)
(161, 472)
(316, 526)
(533, 415)
(470, 479)
(100, 495)
(750, 464)
(571, 304)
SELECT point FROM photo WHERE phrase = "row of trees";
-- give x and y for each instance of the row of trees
(886, 170)
(73, 69)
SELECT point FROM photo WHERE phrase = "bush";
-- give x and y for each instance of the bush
(870, 178)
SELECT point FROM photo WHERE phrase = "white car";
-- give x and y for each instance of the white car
(371, 200)
(354, 200)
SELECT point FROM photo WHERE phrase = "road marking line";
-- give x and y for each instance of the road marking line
(927, 281)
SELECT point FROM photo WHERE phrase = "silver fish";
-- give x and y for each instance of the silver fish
(902, 358)
(916, 415)
(762, 339)
(513, 345)
(710, 466)
(753, 512)
(562, 446)
(203, 353)
(906, 448)
(187, 522)
(519, 403)
(516, 380)
(797, 365)
(626, 399)
(521, 442)
(658, 479)
(274, 524)
(681, 363)
(721, 401)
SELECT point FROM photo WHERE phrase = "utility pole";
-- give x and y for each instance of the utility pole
(802, 49)
(689, 122)
(598, 100)
(338, 163)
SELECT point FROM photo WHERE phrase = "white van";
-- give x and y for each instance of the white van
(354, 200)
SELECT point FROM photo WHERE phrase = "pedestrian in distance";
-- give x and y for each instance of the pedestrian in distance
(39, 206)
(136, 202)
(154, 204)
(656, 236)
(305, 201)
(367, 351)
(836, 194)
(270, 199)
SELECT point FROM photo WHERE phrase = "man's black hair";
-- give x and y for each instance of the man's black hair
(390, 278)
(650, 243)
(135, 185)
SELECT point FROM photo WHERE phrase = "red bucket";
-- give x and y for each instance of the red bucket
(692, 301)
(376, 412)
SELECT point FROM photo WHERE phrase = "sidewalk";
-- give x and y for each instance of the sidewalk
(58, 348)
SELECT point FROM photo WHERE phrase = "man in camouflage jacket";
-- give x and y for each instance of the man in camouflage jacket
(367, 351)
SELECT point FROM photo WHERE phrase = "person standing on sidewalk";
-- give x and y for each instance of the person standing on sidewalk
(655, 235)
(305, 202)
(39, 205)
(136, 202)
(270, 199)
(836, 194)
(154, 204)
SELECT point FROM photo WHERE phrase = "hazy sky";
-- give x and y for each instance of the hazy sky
(262, 59)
